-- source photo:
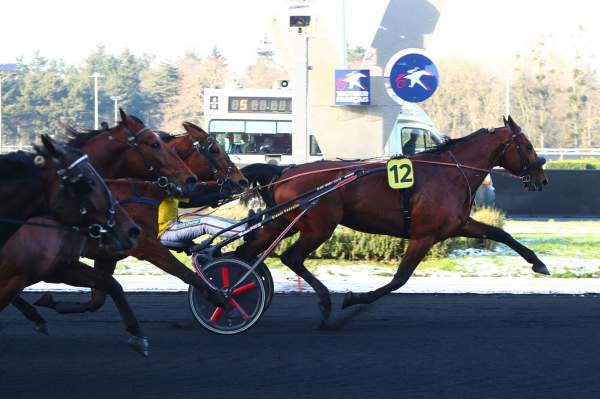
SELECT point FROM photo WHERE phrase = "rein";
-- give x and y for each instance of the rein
(94, 230)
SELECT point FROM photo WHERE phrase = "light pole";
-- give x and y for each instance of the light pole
(96, 75)
(507, 97)
(116, 100)
(344, 44)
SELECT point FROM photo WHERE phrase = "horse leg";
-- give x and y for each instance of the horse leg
(294, 258)
(416, 251)
(249, 250)
(31, 313)
(96, 301)
(10, 289)
(474, 229)
(81, 275)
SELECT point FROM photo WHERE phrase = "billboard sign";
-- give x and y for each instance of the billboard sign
(413, 77)
(352, 87)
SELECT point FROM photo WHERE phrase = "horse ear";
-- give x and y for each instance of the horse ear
(513, 125)
(53, 149)
(193, 129)
(505, 121)
(124, 116)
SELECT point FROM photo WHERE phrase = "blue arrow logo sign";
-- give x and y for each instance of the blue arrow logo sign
(413, 77)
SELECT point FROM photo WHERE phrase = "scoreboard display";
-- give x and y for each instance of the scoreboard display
(271, 105)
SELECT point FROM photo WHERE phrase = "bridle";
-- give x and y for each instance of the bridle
(132, 141)
(74, 184)
(525, 172)
(214, 166)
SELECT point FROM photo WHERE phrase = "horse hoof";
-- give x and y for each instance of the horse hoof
(46, 301)
(349, 300)
(324, 326)
(539, 267)
(42, 328)
(325, 308)
(139, 344)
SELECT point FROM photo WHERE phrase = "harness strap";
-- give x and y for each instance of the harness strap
(93, 230)
(406, 210)
(136, 199)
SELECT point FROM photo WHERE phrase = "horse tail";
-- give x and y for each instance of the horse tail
(263, 174)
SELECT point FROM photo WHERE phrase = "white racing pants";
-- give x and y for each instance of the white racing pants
(190, 229)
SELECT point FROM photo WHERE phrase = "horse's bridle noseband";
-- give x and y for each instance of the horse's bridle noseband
(205, 151)
(525, 172)
(132, 141)
(94, 230)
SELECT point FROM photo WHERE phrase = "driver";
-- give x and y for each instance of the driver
(171, 229)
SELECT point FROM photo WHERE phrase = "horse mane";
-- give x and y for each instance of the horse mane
(167, 137)
(449, 144)
(263, 174)
(79, 139)
(18, 165)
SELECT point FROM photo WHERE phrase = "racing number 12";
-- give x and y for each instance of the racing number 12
(400, 173)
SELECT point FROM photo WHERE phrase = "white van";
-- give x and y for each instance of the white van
(413, 132)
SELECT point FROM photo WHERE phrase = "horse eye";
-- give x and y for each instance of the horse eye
(156, 146)
(529, 147)
(214, 150)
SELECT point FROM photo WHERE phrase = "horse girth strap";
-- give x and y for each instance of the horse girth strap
(137, 199)
(406, 210)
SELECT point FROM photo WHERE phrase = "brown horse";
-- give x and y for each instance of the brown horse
(446, 179)
(130, 149)
(75, 193)
(205, 157)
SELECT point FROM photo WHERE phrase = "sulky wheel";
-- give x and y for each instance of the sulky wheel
(266, 276)
(248, 297)
(265, 273)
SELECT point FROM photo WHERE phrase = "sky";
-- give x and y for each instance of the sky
(487, 30)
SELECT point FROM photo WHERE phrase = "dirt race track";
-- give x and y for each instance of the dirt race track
(439, 346)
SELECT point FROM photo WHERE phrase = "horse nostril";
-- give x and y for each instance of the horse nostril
(134, 232)
(545, 182)
(190, 181)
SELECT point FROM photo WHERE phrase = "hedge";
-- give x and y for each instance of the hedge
(348, 244)
(577, 164)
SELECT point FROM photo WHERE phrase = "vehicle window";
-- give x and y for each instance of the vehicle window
(315, 150)
(414, 140)
(253, 137)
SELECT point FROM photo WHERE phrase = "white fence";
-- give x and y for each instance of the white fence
(10, 148)
(569, 153)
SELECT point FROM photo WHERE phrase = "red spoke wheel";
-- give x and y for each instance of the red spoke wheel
(266, 276)
(248, 297)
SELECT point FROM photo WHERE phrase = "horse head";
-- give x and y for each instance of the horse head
(519, 157)
(77, 196)
(209, 156)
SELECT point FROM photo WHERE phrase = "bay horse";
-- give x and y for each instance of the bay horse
(59, 182)
(131, 149)
(205, 157)
(446, 179)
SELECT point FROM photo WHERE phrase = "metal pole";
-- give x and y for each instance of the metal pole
(307, 153)
(507, 93)
(116, 100)
(344, 50)
(589, 124)
(96, 75)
